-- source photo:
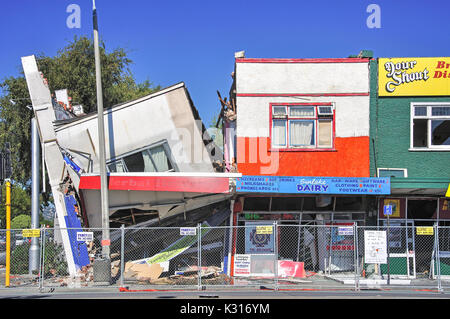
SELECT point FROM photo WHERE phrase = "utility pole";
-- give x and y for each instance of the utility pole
(101, 146)
(33, 262)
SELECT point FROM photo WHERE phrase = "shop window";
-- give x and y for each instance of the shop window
(152, 159)
(256, 204)
(300, 126)
(430, 126)
(349, 204)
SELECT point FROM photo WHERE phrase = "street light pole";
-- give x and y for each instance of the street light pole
(33, 262)
(101, 146)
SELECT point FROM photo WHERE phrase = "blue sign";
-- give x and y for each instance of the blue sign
(258, 242)
(387, 210)
(314, 185)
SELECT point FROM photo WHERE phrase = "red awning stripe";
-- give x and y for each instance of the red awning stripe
(194, 184)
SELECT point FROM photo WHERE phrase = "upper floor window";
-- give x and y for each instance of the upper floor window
(153, 159)
(430, 126)
(302, 126)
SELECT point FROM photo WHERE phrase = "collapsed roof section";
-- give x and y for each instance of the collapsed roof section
(147, 140)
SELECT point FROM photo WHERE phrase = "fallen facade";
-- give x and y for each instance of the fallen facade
(161, 162)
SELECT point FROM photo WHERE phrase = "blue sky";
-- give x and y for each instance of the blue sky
(194, 41)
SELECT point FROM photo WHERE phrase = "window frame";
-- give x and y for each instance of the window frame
(429, 117)
(405, 171)
(316, 118)
(147, 148)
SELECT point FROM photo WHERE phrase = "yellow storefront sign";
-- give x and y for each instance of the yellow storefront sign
(448, 191)
(31, 232)
(264, 230)
(414, 76)
(424, 231)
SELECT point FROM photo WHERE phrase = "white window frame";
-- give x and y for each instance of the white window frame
(163, 143)
(315, 118)
(405, 171)
(427, 117)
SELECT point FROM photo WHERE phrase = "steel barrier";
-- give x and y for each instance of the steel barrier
(261, 256)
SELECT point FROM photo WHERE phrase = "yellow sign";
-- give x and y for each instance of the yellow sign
(424, 231)
(448, 191)
(31, 232)
(414, 76)
(264, 230)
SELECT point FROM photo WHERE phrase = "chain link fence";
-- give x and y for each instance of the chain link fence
(261, 256)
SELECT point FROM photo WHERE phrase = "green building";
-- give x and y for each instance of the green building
(410, 142)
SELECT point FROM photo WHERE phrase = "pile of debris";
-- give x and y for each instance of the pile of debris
(152, 274)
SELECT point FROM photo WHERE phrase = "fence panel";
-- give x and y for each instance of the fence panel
(255, 256)
(214, 255)
(161, 256)
(20, 276)
(86, 247)
(441, 263)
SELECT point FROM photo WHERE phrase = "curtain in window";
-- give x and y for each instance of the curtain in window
(160, 159)
(301, 111)
(301, 133)
(148, 165)
(279, 133)
(324, 135)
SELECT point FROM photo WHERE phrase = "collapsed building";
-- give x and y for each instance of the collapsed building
(163, 167)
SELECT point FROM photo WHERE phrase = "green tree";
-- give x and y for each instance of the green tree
(21, 221)
(20, 203)
(72, 68)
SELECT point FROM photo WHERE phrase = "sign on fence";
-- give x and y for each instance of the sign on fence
(31, 232)
(85, 236)
(375, 247)
(188, 231)
(424, 231)
(242, 264)
(345, 230)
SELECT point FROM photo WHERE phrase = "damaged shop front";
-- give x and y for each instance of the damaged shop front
(163, 167)
(311, 217)
(410, 130)
(302, 145)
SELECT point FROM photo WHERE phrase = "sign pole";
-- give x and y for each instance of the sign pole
(388, 235)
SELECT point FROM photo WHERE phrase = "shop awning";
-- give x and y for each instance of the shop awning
(212, 183)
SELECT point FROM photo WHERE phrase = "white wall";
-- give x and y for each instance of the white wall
(302, 77)
(352, 112)
(138, 124)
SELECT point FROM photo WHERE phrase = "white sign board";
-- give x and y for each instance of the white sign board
(375, 247)
(188, 231)
(345, 230)
(242, 264)
(85, 236)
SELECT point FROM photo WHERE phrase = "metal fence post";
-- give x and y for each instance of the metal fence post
(199, 257)
(122, 254)
(356, 257)
(276, 242)
(437, 257)
(42, 271)
(41, 255)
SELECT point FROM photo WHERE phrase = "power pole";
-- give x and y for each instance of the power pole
(101, 146)
(33, 262)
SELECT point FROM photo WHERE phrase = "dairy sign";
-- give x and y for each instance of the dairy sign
(313, 185)
(414, 76)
